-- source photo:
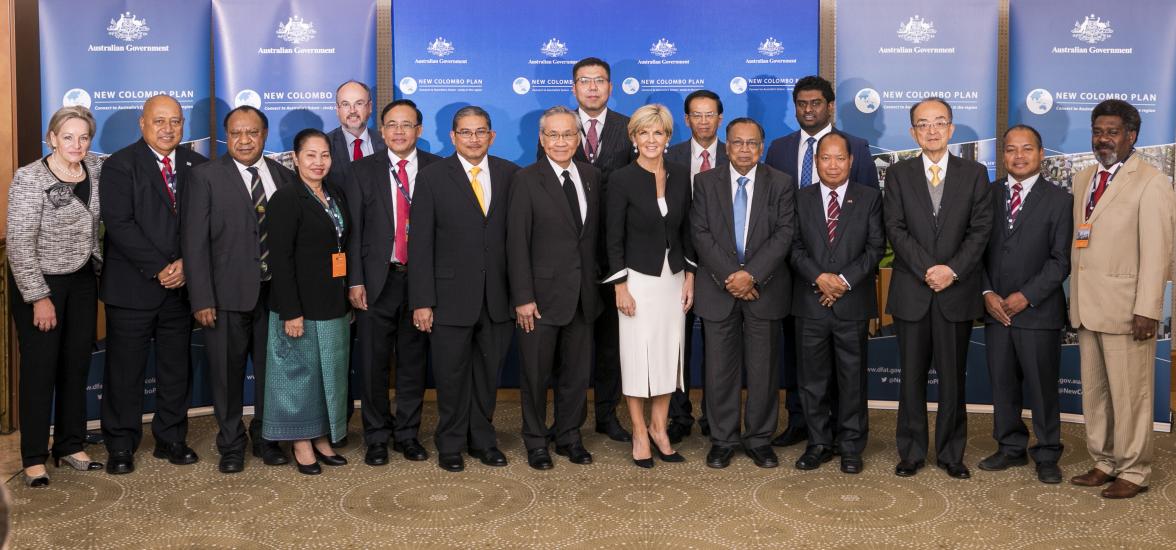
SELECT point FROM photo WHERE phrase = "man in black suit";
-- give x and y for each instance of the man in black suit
(839, 241)
(938, 218)
(813, 99)
(352, 140)
(223, 234)
(703, 151)
(551, 251)
(1028, 258)
(457, 286)
(380, 190)
(143, 288)
(742, 221)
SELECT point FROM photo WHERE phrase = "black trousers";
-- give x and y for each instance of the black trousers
(386, 331)
(833, 373)
(932, 342)
(742, 343)
(606, 378)
(466, 364)
(130, 334)
(1030, 357)
(791, 379)
(235, 337)
(537, 353)
(54, 365)
(681, 410)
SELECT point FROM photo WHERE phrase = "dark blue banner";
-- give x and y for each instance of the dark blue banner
(111, 55)
(660, 51)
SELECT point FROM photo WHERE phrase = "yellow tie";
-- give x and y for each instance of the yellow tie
(935, 175)
(477, 188)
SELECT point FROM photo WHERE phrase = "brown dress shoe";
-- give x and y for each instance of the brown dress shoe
(1094, 478)
(1122, 488)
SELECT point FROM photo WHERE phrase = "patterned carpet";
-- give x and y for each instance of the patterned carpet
(610, 504)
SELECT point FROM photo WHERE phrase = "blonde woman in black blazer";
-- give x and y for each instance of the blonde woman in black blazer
(53, 254)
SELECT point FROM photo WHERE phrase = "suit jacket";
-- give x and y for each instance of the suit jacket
(302, 237)
(772, 222)
(341, 153)
(1032, 257)
(457, 257)
(219, 235)
(1122, 272)
(142, 230)
(958, 239)
(783, 155)
(638, 235)
(369, 188)
(680, 154)
(858, 244)
(550, 262)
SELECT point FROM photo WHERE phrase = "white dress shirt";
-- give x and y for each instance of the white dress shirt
(483, 176)
(696, 157)
(750, 188)
(804, 147)
(574, 174)
(365, 145)
(942, 164)
(267, 180)
(584, 120)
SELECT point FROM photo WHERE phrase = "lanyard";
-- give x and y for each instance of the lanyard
(332, 211)
(400, 186)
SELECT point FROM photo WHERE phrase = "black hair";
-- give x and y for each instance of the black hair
(745, 120)
(935, 99)
(706, 94)
(399, 102)
(814, 82)
(248, 109)
(305, 134)
(1030, 129)
(1117, 107)
(471, 110)
(592, 62)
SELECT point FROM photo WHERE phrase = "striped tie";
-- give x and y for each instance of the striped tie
(1015, 204)
(257, 190)
(832, 215)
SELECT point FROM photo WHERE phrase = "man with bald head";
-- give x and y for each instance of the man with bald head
(142, 286)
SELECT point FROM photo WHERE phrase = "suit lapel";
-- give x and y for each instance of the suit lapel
(554, 188)
(390, 186)
(952, 194)
(234, 180)
(1028, 203)
(592, 198)
(498, 183)
(758, 199)
(1120, 180)
(726, 201)
(461, 180)
(848, 209)
(155, 175)
(919, 176)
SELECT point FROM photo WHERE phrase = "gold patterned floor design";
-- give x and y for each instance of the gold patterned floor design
(610, 504)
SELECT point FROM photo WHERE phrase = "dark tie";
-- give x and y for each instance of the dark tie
(806, 167)
(1015, 204)
(1103, 176)
(832, 215)
(593, 141)
(400, 245)
(356, 151)
(169, 181)
(257, 190)
(573, 200)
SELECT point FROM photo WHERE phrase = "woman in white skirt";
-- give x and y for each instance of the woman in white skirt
(651, 260)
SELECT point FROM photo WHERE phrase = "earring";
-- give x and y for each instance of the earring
(667, 150)
(634, 149)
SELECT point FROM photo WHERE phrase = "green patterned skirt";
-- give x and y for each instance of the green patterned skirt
(306, 381)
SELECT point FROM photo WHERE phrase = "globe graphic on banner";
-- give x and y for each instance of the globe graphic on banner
(247, 97)
(1039, 101)
(867, 100)
(521, 85)
(75, 97)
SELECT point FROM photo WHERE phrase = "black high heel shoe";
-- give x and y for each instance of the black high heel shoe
(646, 463)
(675, 457)
(329, 460)
(312, 469)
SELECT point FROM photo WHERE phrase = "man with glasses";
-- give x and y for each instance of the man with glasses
(457, 286)
(379, 192)
(352, 141)
(938, 219)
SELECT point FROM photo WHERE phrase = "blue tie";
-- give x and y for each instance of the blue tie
(806, 168)
(740, 216)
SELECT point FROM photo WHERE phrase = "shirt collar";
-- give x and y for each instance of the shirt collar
(840, 189)
(1026, 184)
(484, 165)
(559, 169)
(584, 118)
(696, 149)
(351, 138)
(395, 159)
(942, 164)
(159, 158)
(822, 133)
(735, 175)
(260, 165)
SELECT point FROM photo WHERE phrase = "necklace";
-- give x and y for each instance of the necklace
(63, 168)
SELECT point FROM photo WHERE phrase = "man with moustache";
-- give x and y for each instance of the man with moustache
(379, 191)
(938, 218)
(551, 253)
(1124, 213)
(223, 236)
(352, 140)
(142, 286)
(457, 286)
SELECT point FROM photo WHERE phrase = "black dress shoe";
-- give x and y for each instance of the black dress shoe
(851, 464)
(791, 436)
(177, 453)
(999, 461)
(489, 457)
(672, 457)
(1048, 472)
(231, 462)
(719, 457)
(330, 460)
(120, 462)
(955, 469)
(539, 459)
(376, 455)
(411, 449)
(312, 469)
(677, 431)
(575, 452)
(814, 457)
(906, 468)
(614, 431)
(451, 462)
(341, 443)
(270, 453)
(763, 456)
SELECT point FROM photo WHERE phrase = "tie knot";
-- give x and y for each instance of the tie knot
(1017, 187)
(474, 171)
(566, 175)
(166, 162)
(592, 123)
(810, 140)
(401, 164)
(359, 141)
(833, 195)
(252, 171)
(705, 154)
(934, 169)
(742, 180)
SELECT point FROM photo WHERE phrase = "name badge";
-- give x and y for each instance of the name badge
(339, 264)
(1082, 238)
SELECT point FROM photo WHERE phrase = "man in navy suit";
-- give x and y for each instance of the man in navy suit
(352, 140)
(814, 101)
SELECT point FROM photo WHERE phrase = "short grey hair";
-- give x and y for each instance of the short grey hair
(561, 110)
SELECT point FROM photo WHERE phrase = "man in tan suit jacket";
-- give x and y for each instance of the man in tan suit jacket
(1124, 216)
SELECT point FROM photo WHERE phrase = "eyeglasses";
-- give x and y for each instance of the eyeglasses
(749, 144)
(924, 126)
(566, 136)
(703, 116)
(251, 132)
(400, 126)
(584, 80)
(346, 106)
(466, 133)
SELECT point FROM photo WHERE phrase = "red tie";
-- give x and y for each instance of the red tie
(1015, 203)
(832, 214)
(1103, 176)
(706, 165)
(356, 152)
(400, 245)
(593, 141)
(169, 181)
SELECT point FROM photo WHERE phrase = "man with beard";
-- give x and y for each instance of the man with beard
(352, 141)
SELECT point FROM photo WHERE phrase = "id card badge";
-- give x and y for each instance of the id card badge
(1082, 239)
(339, 264)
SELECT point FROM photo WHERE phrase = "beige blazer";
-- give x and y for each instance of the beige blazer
(1122, 272)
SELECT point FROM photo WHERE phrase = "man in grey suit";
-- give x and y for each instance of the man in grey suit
(223, 233)
(742, 221)
(352, 140)
(839, 240)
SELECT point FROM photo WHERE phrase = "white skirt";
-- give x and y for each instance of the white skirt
(652, 341)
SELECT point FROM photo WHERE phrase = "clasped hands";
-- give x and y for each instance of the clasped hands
(831, 288)
(742, 286)
(1003, 309)
(939, 277)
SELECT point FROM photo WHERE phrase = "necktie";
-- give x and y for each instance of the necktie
(806, 167)
(1103, 177)
(400, 245)
(593, 142)
(935, 181)
(356, 151)
(478, 188)
(740, 216)
(706, 165)
(257, 190)
(169, 181)
(832, 215)
(569, 189)
(1015, 204)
